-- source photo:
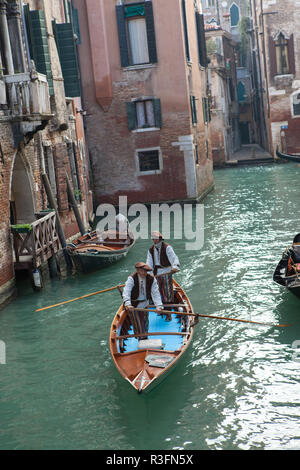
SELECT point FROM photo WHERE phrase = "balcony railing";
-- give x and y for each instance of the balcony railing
(35, 243)
(28, 95)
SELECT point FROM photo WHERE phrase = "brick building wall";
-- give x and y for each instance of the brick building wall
(28, 142)
(277, 26)
(109, 87)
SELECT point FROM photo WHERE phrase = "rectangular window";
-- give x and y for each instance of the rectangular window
(50, 168)
(196, 154)
(64, 37)
(136, 34)
(296, 104)
(282, 55)
(202, 51)
(193, 109)
(282, 58)
(143, 114)
(206, 110)
(185, 30)
(138, 43)
(37, 35)
(149, 161)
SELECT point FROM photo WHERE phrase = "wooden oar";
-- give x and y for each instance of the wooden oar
(82, 297)
(164, 312)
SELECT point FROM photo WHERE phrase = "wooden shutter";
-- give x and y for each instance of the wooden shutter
(193, 109)
(157, 112)
(291, 54)
(201, 40)
(131, 115)
(38, 43)
(150, 32)
(122, 36)
(185, 30)
(206, 110)
(75, 22)
(64, 36)
(272, 57)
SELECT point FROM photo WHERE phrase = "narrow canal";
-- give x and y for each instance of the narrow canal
(238, 386)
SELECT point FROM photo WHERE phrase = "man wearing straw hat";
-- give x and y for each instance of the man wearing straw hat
(163, 262)
(140, 290)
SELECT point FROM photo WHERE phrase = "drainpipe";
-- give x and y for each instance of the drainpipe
(5, 37)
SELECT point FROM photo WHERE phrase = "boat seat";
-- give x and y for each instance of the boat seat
(155, 343)
(159, 361)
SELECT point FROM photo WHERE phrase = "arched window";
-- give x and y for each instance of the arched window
(234, 15)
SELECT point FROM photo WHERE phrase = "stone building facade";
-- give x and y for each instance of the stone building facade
(221, 51)
(278, 43)
(41, 127)
(144, 75)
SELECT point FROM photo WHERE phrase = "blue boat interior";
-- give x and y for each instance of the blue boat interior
(159, 324)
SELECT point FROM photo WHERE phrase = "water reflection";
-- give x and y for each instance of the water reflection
(237, 386)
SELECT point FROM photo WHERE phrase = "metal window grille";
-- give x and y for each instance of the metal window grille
(148, 160)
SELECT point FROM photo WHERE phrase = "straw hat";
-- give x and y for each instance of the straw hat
(156, 235)
(142, 265)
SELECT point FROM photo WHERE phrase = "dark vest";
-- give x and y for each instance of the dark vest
(136, 288)
(296, 253)
(163, 259)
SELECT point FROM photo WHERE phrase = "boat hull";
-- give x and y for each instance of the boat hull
(86, 262)
(146, 366)
(285, 156)
(291, 283)
(89, 254)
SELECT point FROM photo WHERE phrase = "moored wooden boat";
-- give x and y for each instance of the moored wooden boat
(89, 252)
(286, 156)
(144, 363)
(285, 275)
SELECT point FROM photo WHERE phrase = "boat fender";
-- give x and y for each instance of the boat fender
(37, 279)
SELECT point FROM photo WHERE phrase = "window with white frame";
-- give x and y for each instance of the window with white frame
(149, 161)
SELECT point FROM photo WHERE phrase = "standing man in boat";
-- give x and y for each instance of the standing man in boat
(163, 262)
(140, 290)
(122, 227)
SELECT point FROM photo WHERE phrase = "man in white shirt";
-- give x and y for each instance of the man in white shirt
(140, 289)
(161, 257)
(163, 262)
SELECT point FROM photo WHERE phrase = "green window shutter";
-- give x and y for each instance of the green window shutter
(185, 29)
(131, 115)
(157, 112)
(206, 110)
(234, 14)
(64, 36)
(75, 22)
(38, 43)
(134, 10)
(201, 40)
(150, 32)
(122, 36)
(193, 109)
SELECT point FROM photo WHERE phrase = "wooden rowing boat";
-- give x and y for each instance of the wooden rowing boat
(285, 275)
(144, 363)
(91, 252)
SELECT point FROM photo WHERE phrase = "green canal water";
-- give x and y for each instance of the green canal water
(238, 385)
